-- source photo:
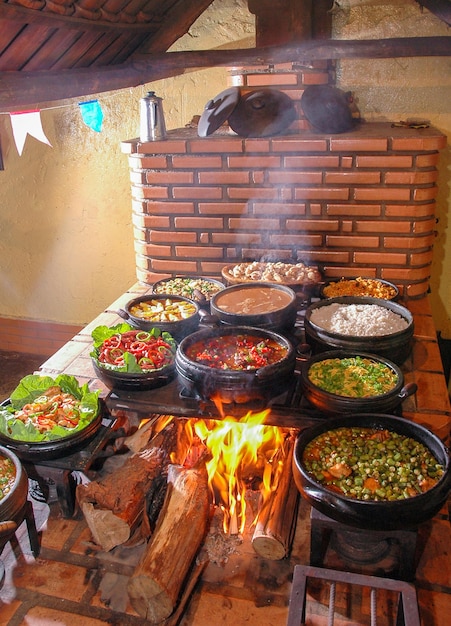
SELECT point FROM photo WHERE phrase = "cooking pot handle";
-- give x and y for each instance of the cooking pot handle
(407, 390)
(123, 314)
(207, 319)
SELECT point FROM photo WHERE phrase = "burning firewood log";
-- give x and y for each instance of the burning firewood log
(156, 585)
(276, 522)
(113, 506)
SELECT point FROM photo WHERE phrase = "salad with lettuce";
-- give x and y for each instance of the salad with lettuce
(123, 348)
(42, 408)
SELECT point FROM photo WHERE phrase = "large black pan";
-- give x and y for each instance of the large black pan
(381, 515)
(235, 385)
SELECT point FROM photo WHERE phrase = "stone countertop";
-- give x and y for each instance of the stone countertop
(430, 406)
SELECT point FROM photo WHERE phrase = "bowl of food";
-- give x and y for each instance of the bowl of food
(13, 485)
(359, 287)
(235, 363)
(197, 288)
(46, 417)
(281, 273)
(129, 359)
(338, 382)
(373, 471)
(265, 305)
(373, 325)
(176, 315)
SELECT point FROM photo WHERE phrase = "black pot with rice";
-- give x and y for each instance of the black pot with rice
(372, 325)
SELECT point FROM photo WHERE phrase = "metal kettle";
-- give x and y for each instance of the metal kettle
(152, 125)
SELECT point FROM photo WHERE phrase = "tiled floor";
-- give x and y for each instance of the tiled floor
(73, 583)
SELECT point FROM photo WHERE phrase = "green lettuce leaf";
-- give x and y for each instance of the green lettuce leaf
(31, 387)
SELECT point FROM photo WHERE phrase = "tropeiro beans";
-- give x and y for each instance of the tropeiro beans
(371, 464)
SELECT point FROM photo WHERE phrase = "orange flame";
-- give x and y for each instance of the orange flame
(240, 448)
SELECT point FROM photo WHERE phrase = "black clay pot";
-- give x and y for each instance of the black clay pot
(357, 287)
(263, 305)
(229, 385)
(395, 346)
(334, 404)
(12, 503)
(46, 450)
(381, 515)
(197, 288)
(178, 328)
(131, 381)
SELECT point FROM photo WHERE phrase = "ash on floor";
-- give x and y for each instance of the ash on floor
(13, 367)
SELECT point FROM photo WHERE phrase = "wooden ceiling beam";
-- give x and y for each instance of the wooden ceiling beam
(25, 89)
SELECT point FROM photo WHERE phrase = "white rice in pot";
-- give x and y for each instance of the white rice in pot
(360, 320)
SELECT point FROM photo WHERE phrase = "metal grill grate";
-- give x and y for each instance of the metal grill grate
(407, 612)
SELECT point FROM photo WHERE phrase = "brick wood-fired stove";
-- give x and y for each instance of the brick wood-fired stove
(356, 203)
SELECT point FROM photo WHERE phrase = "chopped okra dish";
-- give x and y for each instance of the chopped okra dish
(371, 464)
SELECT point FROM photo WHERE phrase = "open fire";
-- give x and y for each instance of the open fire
(245, 454)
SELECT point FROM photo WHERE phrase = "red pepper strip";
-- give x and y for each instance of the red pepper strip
(137, 346)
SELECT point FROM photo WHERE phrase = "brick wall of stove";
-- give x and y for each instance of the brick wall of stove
(357, 203)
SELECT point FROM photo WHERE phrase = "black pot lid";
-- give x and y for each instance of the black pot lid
(327, 109)
(262, 113)
(217, 111)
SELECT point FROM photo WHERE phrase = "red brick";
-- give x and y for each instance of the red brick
(369, 210)
(418, 289)
(424, 226)
(410, 178)
(382, 193)
(409, 243)
(170, 208)
(429, 193)
(427, 160)
(350, 178)
(201, 223)
(252, 144)
(319, 225)
(419, 143)
(358, 144)
(169, 177)
(224, 178)
(319, 162)
(380, 258)
(206, 208)
(347, 161)
(407, 273)
(321, 193)
(299, 144)
(236, 238)
(277, 177)
(168, 146)
(197, 162)
(152, 250)
(384, 162)
(258, 178)
(199, 252)
(285, 208)
(315, 78)
(421, 258)
(381, 226)
(150, 192)
(291, 239)
(173, 266)
(148, 162)
(248, 193)
(257, 162)
(409, 210)
(197, 192)
(272, 80)
(157, 236)
(352, 241)
(150, 221)
(216, 144)
(254, 224)
(329, 256)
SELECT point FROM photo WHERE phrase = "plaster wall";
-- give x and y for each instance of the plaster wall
(66, 245)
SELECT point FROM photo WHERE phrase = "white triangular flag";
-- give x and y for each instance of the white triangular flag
(27, 123)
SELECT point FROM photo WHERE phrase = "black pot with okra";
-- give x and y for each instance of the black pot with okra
(373, 471)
